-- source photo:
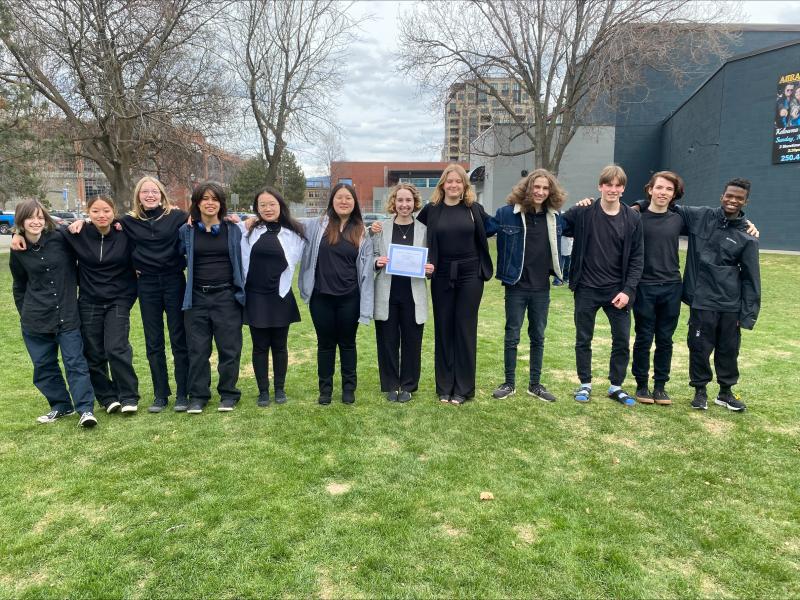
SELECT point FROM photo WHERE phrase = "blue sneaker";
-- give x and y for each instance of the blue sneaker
(622, 397)
(583, 394)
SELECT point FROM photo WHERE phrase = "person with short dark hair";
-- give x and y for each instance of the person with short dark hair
(722, 285)
(527, 253)
(214, 297)
(336, 280)
(271, 249)
(46, 296)
(607, 259)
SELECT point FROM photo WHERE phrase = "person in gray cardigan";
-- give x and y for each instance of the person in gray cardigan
(336, 281)
(401, 303)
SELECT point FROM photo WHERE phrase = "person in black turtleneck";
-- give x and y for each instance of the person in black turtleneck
(214, 297)
(457, 230)
(107, 293)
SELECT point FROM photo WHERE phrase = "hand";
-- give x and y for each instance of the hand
(250, 222)
(585, 202)
(376, 227)
(76, 226)
(429, 269)
(620, 300)
(233, 218)
(381, 262)
(18, 242)
(751, 229)
(118, 226)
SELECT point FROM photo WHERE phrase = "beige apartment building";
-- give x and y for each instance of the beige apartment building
(470, 110)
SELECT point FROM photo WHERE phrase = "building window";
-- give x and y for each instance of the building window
(347, 180)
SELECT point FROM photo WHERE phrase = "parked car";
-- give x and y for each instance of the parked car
(370, 218)
(6, 222)
(66, 216)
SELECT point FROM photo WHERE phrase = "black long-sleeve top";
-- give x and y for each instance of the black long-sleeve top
(156, 245)
(105, 269)
(46, 285)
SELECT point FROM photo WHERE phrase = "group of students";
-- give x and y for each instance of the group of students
(242, 272)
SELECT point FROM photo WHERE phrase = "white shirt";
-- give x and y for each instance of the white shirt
(291, 243)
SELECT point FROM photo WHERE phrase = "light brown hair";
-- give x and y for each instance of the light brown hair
(673, 178)
(390, 207)
(137, 210)
(469, 192)
(612, 172)
(26, 210)
(522, 193)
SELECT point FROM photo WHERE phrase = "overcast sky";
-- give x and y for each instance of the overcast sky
(384, 118)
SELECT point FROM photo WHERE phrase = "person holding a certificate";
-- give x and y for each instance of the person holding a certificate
(336, 280)
(457, 231)
(401, 296)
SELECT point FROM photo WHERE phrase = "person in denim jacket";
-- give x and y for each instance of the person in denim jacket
(527, 254)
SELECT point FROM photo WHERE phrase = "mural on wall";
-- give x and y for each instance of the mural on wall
(786, 142)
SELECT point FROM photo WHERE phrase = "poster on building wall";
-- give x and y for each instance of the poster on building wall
(786, 142)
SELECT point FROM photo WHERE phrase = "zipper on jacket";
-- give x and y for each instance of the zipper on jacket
(102, 237)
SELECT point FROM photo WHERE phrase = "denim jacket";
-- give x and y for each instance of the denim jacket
(511, 242)
(186, 235)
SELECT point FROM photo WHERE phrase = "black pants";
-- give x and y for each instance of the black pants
(456, 301)
(159, 294)
(587, 302)
(105, 329)
(537, 304)
(264, 340)
(717, 332)
(656, 313)
(214, 315)
(336, 323)
(399, 348)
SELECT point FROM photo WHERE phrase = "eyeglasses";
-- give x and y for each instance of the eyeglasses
(150, 192)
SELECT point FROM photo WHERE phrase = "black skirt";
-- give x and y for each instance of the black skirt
(270, 310)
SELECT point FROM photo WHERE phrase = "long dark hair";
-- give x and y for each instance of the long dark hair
(284, 219)
(197, 195)
(351, 234)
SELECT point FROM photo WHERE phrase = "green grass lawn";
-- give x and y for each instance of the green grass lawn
(381, 499)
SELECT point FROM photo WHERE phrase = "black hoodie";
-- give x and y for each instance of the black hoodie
(155, 240)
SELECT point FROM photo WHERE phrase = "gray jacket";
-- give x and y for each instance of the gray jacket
(314, 228)
(383, 281)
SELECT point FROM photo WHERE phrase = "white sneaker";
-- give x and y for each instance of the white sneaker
(87, 420)
(53, 416)
(129, 408)
(113, 407)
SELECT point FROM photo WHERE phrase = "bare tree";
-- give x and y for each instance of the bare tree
(566, 55)
(134, 81)
(329, 149)
(290, 62)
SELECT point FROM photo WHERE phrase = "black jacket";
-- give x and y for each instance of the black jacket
(155, 240)
(722, 271)
(429, 216)
(105, 270)
(46, 285)
(577, 224)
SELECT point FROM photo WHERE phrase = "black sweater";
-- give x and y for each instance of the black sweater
(105, 270)
(155, 240)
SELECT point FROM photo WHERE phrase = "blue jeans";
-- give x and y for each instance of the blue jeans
(536, 303)
(43, 349)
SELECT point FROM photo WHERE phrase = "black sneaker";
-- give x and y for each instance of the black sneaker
(660, 396)
(181, 404)
(539, 391)
(280, 397)
(54, 415)
(504, 390)
(700, 401)
(158, 405)
(87, 420)
(128, 409)
(392, 396)
(263, 399)
(194, 409)
(348, 396)
(112, 406)
(730, 401)
(226, 405)
(643, 395)
(404, 396)
(324, 400)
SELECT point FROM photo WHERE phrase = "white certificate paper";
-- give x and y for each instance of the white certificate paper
(407, 261)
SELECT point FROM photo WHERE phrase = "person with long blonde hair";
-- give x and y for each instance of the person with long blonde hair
(527, 254)
(457, 240)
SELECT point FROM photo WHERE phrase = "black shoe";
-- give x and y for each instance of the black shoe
(54, 415)
(457, 400)
(87, 420)
(700, 401)
(181, 404)
(226, 405)
(392, 396)
(730, 401)
(643, 395)
(263, 399)
(112, 406)
(404, 396)
(158, 405)
(504, 390)
(324, 400)
(194, 409)
(660, 396)
(348, 396)
(539, 391)
(280, 397)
